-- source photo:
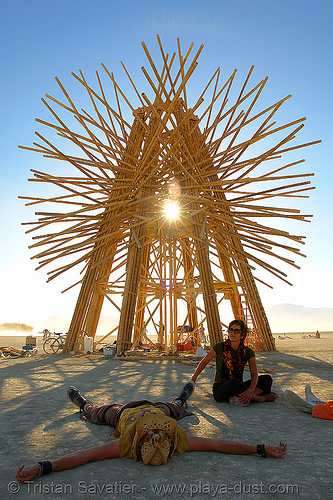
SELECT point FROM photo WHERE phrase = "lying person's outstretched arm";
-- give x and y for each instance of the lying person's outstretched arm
(109, 450)
(233, 447)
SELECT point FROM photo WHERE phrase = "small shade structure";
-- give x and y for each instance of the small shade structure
(225, 168)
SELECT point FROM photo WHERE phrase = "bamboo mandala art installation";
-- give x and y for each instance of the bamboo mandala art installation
(164, 204)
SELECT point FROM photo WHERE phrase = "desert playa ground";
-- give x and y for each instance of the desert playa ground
(39, 423)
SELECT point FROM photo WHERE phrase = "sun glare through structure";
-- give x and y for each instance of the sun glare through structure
(171, 210)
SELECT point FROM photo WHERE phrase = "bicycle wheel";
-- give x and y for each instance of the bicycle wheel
(51, 346)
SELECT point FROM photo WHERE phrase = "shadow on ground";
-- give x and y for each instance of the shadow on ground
(39, 423)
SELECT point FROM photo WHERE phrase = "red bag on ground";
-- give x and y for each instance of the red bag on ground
(323, 411)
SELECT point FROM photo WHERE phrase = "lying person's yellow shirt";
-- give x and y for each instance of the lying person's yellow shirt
(126, 429)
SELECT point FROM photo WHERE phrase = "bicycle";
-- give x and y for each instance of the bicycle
(54, 343)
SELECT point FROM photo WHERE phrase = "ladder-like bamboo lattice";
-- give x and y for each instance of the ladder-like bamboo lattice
(218, 162)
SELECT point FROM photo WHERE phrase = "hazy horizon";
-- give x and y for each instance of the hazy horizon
(283, 318)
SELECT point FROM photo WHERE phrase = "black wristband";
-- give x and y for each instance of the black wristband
(261, 450)
(45, 468)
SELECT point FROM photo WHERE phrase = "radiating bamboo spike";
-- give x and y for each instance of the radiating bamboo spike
(167, 76)
(111, 112)
(215, 93)
(121, 122)
(220, 116)
(156, 73)
(242, 147)
(107, 107)
(276, 192)
(62, 156)
(161, 79)
(72, 286)
(103, 124)
(272, 109)
(78, 116)
(67, 267)
(273, 244)
(257, 90)
(133, 85)
(211, 129)
(180, 71)
(273, 149)
(269, 175)
(299, 146)
(118, 88)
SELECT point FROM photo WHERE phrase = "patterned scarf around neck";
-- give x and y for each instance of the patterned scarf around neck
(235, 366)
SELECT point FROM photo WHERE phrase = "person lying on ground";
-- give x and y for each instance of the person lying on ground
(145, 430)
(318, 408)
(231, 358)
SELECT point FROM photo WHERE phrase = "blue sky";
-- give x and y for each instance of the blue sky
(290, 41)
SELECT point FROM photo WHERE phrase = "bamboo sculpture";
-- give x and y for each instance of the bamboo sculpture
(219, 162)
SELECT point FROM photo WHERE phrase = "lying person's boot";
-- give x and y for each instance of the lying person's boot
(74, 395)
(311, 398)
(185, 393)
(297, 402)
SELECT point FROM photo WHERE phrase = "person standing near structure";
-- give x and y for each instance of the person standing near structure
(202, 334)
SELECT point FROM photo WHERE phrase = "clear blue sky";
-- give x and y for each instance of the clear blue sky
(290, 41)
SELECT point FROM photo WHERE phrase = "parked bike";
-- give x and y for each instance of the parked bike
(54, 343)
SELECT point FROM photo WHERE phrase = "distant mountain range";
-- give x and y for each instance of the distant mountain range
(294, 318)
(282, 318)
(61, 325)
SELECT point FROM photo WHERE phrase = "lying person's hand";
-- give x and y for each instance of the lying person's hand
(276, 451)
(27, 475)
